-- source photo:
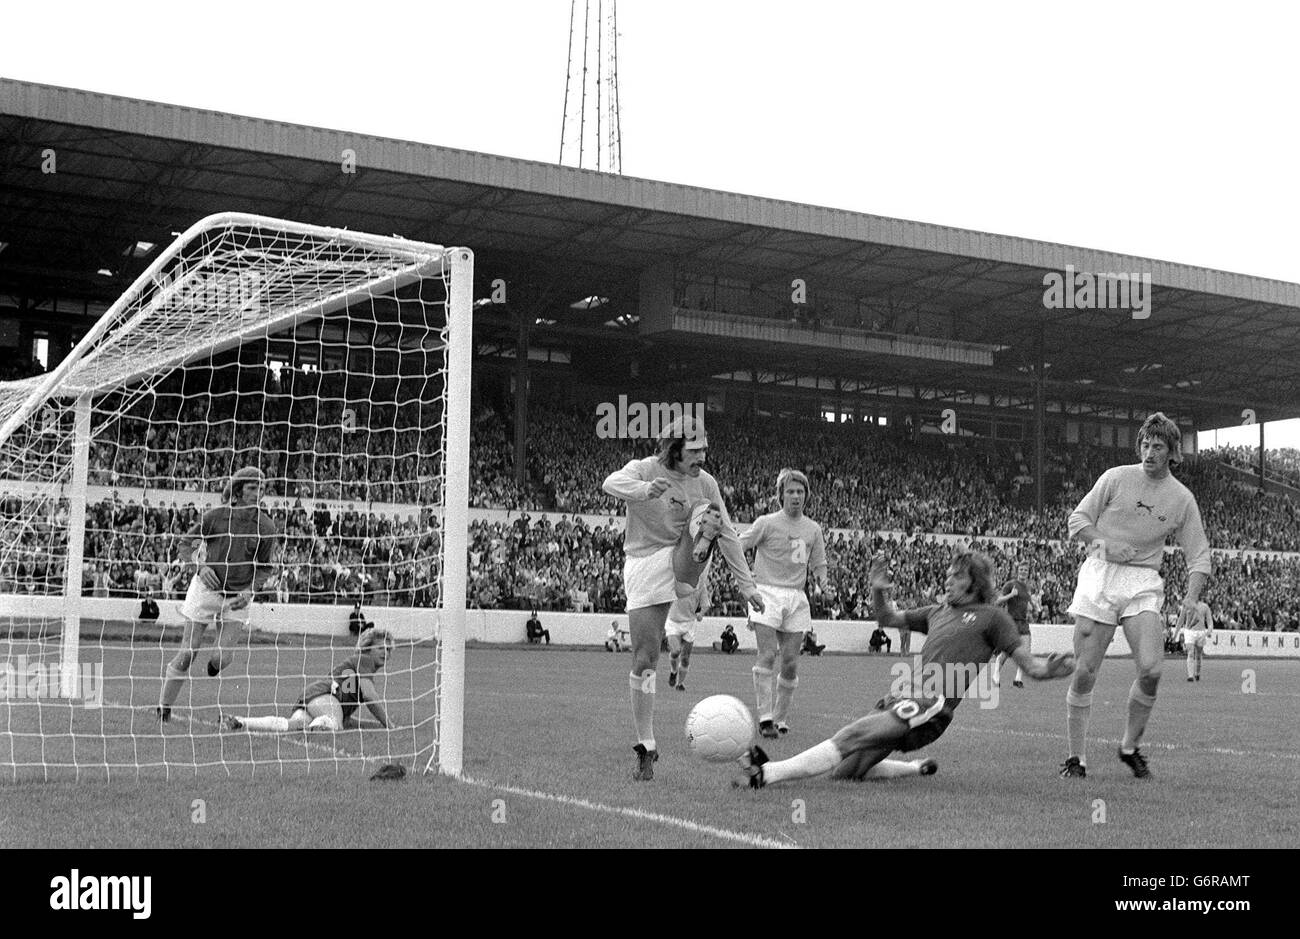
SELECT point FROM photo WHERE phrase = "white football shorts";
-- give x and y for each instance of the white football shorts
(683, 625)
(206, 606)
(784, 609)
(649, 581)
(1108, 592)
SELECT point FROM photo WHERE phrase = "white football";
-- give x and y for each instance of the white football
(324, 722)
(720, 728)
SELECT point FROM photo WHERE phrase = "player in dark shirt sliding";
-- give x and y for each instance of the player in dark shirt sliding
(332, 702)
(962, 633)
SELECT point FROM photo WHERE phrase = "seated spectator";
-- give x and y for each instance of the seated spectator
(148, 609)
(617, 638)
(730, 642)
(810, 646)
(879, 640)
(535, 631)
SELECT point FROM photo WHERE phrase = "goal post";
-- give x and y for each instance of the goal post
(460, 350)
(336, 362)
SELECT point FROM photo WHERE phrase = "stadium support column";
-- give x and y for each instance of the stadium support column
(1261, 456)
(1040, 411)
(76, 546)
(521, 402)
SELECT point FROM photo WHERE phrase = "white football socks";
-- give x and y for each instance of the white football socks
(811, 762)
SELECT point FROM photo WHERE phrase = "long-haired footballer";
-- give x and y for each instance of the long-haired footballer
(675, 517)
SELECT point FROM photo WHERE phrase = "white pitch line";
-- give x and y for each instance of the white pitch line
(754, 841)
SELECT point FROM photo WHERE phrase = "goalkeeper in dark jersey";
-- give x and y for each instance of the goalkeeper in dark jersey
(330, 703)
(232, 548)
(962, 633)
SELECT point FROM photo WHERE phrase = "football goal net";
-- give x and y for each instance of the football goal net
(160, 613)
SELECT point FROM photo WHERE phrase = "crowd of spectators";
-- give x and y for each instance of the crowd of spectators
(316, 446)
(883, 480)
(1282, 465)
(570, 564)
(131, 548)
(864, 479)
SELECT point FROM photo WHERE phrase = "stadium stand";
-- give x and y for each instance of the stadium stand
(873, 488)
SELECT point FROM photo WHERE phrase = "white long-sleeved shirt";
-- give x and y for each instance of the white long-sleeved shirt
(784, 549)
(1128, 506)
(654, 524)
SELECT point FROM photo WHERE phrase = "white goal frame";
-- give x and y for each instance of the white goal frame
(73, 379)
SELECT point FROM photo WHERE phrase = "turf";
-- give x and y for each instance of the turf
(545, 725)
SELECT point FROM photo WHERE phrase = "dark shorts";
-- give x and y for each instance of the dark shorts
(922, 730)
(1023, 627)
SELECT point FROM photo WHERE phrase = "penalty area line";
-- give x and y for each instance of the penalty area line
(739, 837)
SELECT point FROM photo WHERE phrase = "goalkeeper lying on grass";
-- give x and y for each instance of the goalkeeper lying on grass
(329, 704)
(963, 632)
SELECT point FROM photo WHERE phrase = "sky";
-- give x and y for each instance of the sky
(1162, 130)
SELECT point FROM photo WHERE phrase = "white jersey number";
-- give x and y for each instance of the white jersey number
(798, 551)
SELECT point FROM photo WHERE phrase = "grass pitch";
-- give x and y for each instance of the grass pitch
(548, 763)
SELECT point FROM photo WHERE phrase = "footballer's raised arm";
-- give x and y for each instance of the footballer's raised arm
(729, 542)
(627, 483)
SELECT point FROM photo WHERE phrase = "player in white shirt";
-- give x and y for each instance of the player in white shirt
(1125, 520)
(785, 544)
(675, 516)
(1194, 636)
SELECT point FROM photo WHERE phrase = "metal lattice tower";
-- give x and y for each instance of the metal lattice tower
(591, 134)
